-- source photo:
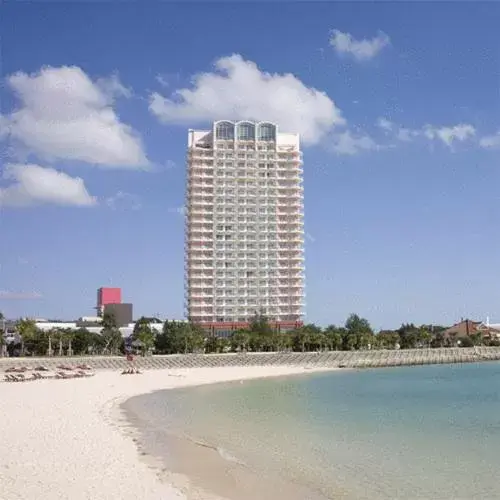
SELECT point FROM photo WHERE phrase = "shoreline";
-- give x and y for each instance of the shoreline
(65, 439)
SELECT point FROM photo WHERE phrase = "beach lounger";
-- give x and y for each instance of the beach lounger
(84, 367)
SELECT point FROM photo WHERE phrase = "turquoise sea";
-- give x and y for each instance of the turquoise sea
(430, 432)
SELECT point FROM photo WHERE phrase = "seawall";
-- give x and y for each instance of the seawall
(347, 359)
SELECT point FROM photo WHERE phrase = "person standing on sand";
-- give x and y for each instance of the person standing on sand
(130, 360)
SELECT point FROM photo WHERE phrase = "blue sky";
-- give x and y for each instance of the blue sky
(398, 105)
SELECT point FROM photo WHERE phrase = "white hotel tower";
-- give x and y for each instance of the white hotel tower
(244, 226)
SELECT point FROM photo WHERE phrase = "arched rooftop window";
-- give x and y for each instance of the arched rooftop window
(224, 131)
(245, 131)
(266, 132)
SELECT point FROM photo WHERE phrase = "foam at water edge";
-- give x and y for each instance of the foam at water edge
(227, 456)
(223, 453)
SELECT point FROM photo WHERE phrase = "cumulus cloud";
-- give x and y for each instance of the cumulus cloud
(8, 295)
(490, 141)
(237, 89)
(385, 124)
(449, 135)
(348, 143)
(35, 185)
(361, 50)
(64, 115)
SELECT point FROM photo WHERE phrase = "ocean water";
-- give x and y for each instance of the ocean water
(430, 432)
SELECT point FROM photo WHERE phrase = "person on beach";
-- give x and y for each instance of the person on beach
(130, 361)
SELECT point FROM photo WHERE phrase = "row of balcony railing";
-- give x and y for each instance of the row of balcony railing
(262, 217)
(242, 228)
(245, 266)
(241, 247)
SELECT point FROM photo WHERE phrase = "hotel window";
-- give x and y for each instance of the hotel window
(224, 131)
(266, 132)
(246, 131)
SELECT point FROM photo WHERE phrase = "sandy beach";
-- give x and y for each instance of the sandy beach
(62, 439)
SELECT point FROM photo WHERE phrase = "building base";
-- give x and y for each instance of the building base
(226, 329)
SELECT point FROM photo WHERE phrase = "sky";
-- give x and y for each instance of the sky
(397, 105)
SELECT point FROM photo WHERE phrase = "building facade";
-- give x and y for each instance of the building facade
(244, 226)
(123, 313)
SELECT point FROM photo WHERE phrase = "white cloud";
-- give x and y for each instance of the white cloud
(449, 135)
(8, 295)
(237, 89)
(112, 87)
(64, 115)
(385, 124)
(490, 141)
(361, 50)
(36, 185)
(347, 143)
(406, 134)
(162, 80)
(122, 201)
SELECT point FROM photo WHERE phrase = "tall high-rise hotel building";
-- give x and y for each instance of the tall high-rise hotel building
(244, 226)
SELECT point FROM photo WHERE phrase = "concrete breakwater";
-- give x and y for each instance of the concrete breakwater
(347, 359)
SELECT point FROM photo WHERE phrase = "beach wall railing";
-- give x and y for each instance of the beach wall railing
(347, 359)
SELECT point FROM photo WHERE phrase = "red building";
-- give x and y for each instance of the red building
(107, 296)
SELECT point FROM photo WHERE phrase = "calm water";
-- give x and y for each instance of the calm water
(419, 432)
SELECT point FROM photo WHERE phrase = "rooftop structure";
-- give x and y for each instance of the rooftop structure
(107, 295)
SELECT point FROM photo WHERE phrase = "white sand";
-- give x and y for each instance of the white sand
(60, 439)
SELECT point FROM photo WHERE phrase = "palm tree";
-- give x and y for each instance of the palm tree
(2, 333)
(50, 333)
(27, 330)
(70, 335)
(144, 334)
(111, 334)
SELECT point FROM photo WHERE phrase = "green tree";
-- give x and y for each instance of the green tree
(240, 340)
(144, 334)
(425, 336)
(28, 331)
(111, 334)
(211, 345)
(358, 333)
(193, 338)
(283, 341)
(2, 335)
(69, 336)
(215, 344)
(300, 339)
(50, 335)
(58, 337)
(85, 342)
(409, 336)
(170, 340)
(438, 340)
(333, 337)
(477, 338)
(466, 342)
(387, 339)
(262, 335)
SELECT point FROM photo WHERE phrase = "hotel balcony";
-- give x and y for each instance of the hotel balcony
(199, 266)
(195, 283)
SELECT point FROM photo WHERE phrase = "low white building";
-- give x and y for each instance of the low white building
(126, 331)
